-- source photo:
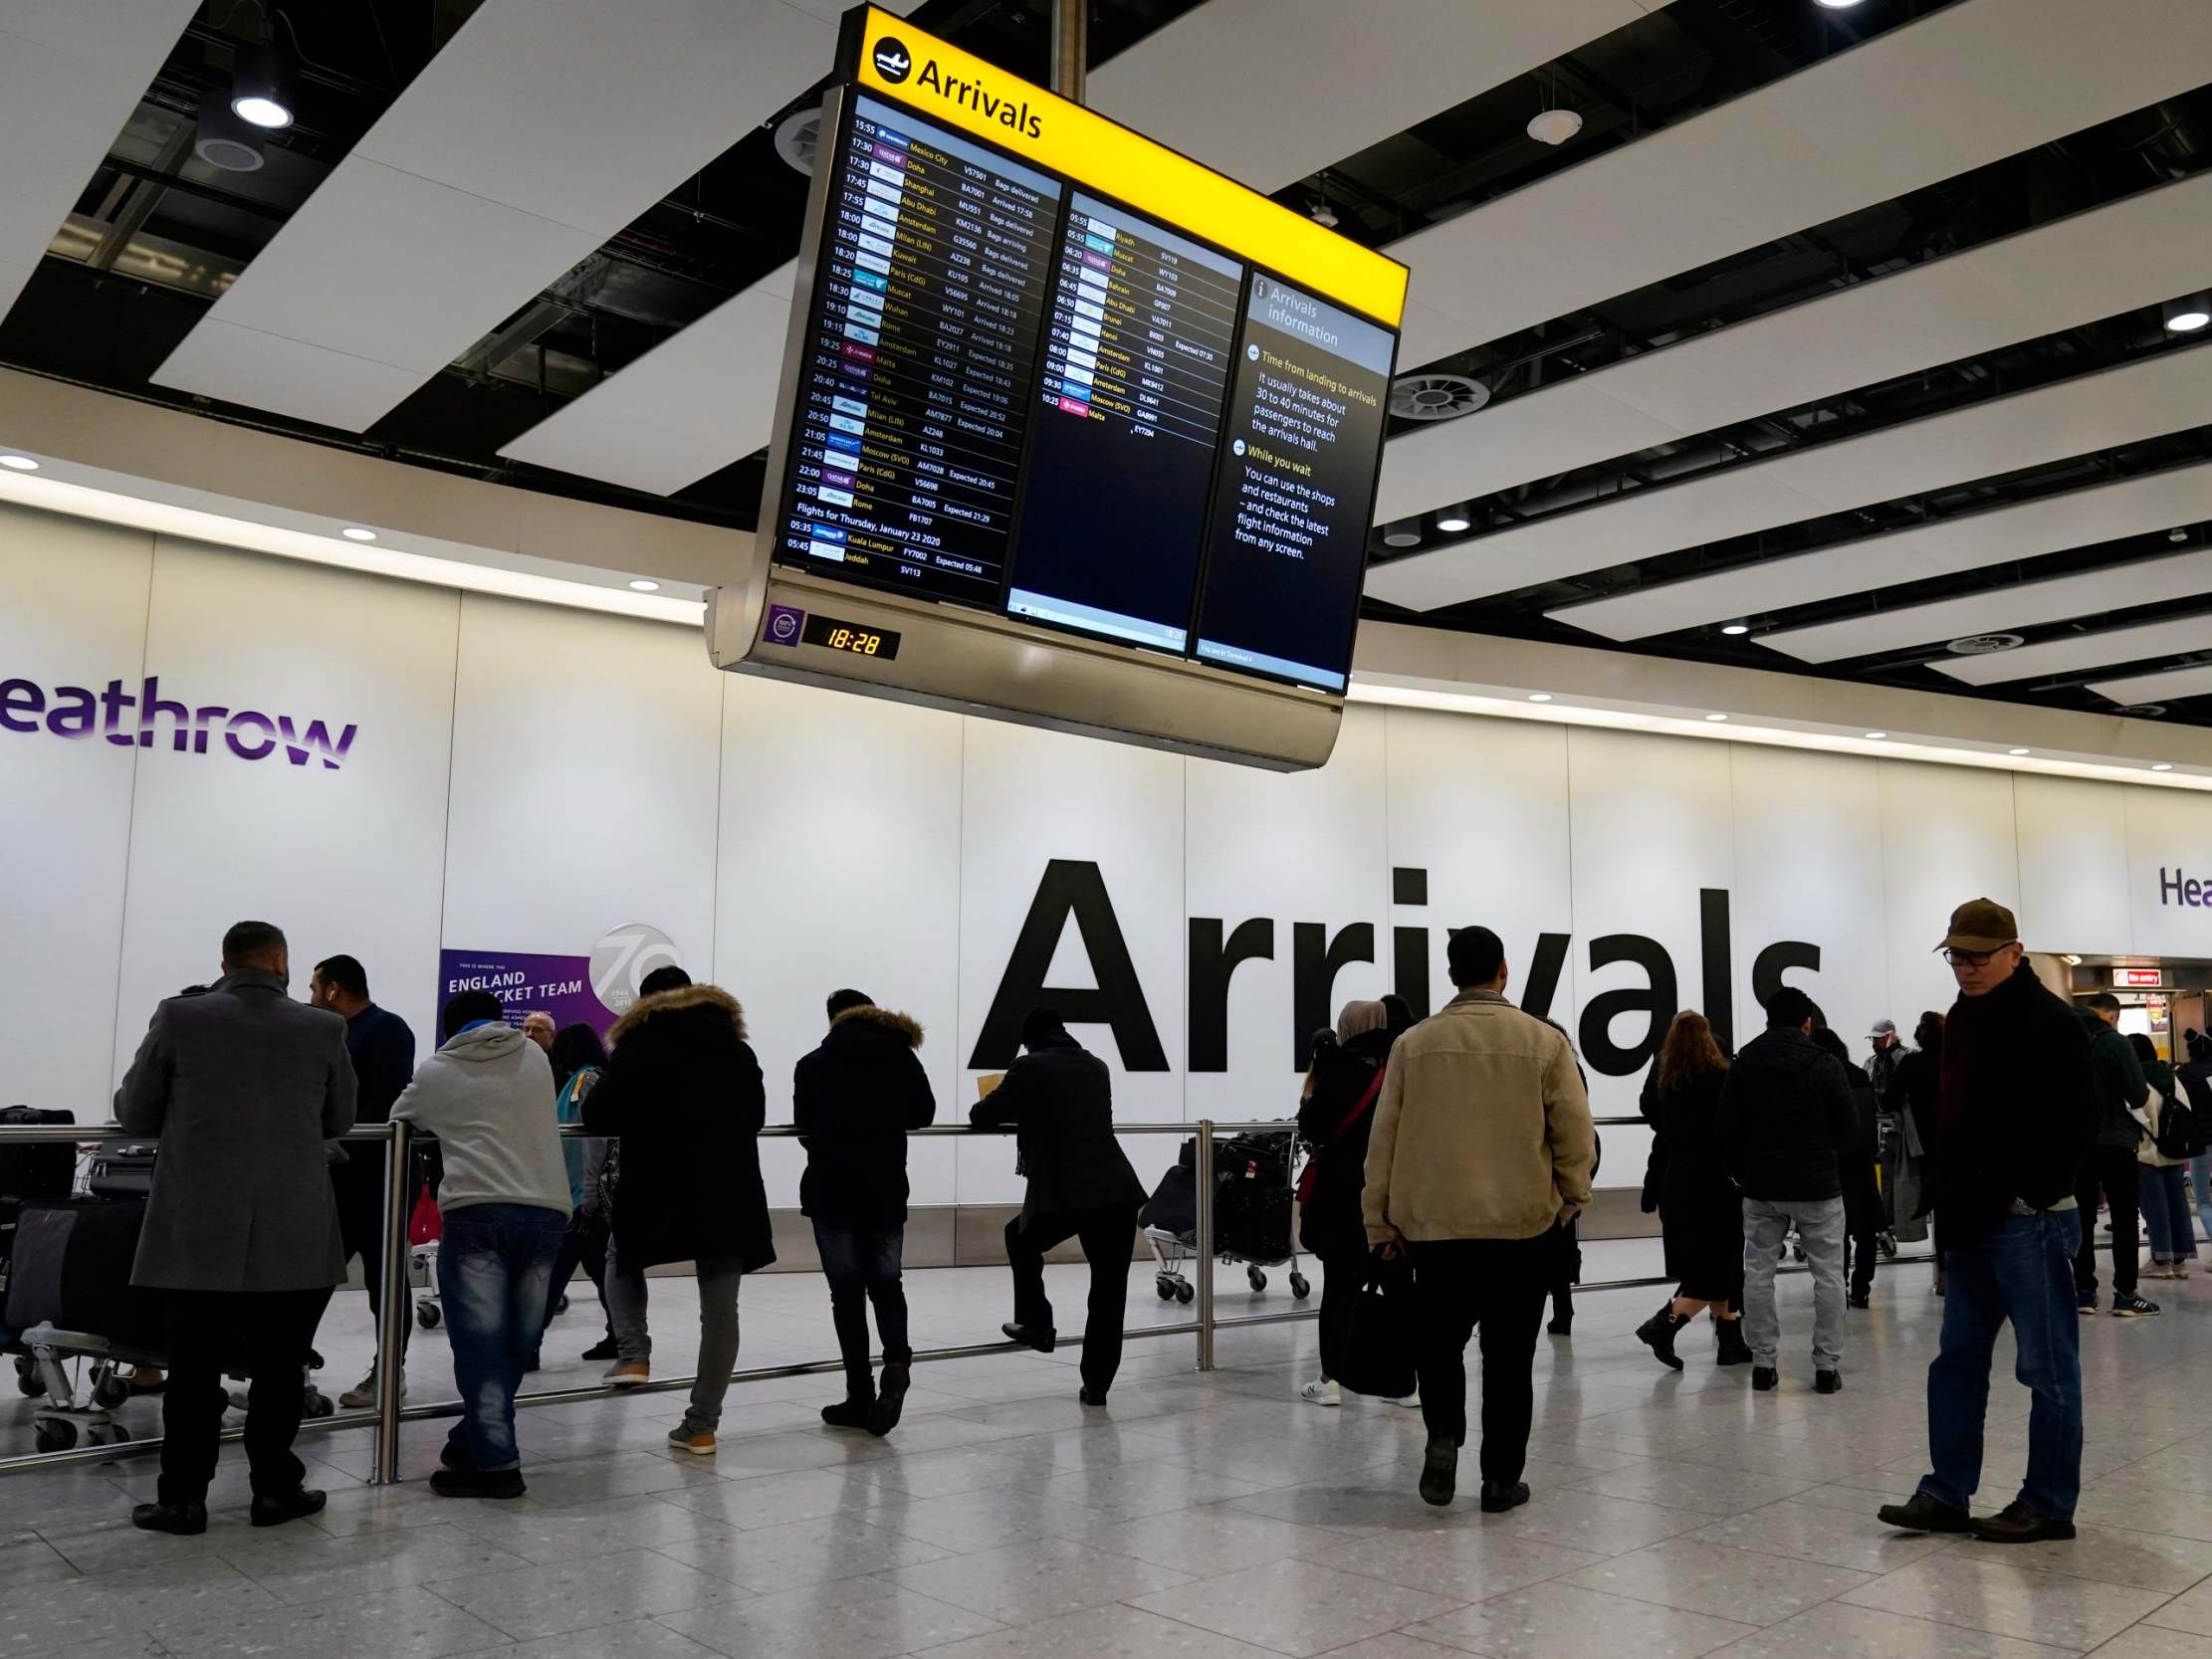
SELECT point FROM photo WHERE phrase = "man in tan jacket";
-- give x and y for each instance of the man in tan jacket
(1482, 1146)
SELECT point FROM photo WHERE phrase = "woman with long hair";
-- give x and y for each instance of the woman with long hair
(1701, 1212)
(1335, 1117)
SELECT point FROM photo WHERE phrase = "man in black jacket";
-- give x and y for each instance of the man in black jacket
(1785, 1123)
(1058, 1097)
(852, 1101)
(2014, 1126)
(2118, 1089)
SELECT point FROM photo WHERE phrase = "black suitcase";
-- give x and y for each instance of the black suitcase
(72, 1269)
(34, 1171)
(123, 1170)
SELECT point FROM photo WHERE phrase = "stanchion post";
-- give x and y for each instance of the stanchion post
(396, 1304)
(1205, 1244)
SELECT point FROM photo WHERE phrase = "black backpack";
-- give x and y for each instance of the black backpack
(2177, 1135)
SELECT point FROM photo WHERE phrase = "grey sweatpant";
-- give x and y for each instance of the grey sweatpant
(1820, 1228)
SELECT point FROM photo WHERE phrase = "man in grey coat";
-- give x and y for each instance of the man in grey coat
(243, 1086)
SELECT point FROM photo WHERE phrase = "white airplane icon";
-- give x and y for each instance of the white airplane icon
(894, 64)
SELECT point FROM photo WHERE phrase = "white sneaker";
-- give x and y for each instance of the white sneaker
(1411, 1402)
(1321, 1391)
(362, 1396)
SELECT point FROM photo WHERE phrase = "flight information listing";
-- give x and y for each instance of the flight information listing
(1287, 550)
(1139, 346)
(918, 365)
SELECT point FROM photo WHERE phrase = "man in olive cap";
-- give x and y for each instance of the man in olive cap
(2016, 1117)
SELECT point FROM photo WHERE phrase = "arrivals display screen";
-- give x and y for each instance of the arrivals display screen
(1049, 369)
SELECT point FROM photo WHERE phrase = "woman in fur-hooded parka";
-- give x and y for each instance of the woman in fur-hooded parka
(683, 1091)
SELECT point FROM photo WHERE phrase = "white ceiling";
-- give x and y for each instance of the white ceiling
(1973, 82)
(2077, 652)
(2132, 253)
(2138, 400)
(2167, 686)
(71, 73)
(2080, 518)
(1214, 85)
(2024, 605)
(538, 132)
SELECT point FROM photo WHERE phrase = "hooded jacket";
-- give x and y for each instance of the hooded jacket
(2116, 1083)
(1059, 1100)
(1786, 1120)
(488, 1095)
(683, 1090)
(852, 1101)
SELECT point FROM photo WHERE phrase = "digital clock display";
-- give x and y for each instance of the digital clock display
(828, 632)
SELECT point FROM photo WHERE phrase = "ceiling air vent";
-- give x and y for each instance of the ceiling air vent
(1983, 645)
(799, 138)
(1435, 397)
(2146, 711)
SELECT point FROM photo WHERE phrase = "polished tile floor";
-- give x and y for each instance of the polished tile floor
(1197, 1518)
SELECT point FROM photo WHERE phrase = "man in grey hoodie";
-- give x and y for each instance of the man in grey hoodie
(488, 1095)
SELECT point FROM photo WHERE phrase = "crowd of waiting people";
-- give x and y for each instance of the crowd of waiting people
(1451, 1156)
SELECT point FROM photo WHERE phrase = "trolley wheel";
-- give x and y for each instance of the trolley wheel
(319, 1404)
(1256, 1279)
(116, 1434)
(561, 1303)
(1300, 1286)
(427, 1316)
(1165, 1286)
(110, 1391)
(1184, 1292)
(27, 1381)
(53, 1434)
(1888, 1246)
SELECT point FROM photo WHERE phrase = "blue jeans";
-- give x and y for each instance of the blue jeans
(2200, 1189)
(2022, 1271)
(495, 1267)
(2163, 1193)
(862, 1265)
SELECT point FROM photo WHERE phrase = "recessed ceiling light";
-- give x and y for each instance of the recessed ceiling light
(2186, 317)
(1836, 5)
(1539, 697)
(19, 463)
(1554, 126)
(2162, 765)
(1716, 716)
(644, 587)
(1454, 519)
(1876, 737)
(261, 88)
(1402, 532)
(354, 532)
(2016, 751)
(1735, 628)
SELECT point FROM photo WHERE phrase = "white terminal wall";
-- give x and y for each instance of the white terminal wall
(525, 778)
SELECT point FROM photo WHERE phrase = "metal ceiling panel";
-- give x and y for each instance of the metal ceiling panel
(289, 376)
(696, 403)
(2020, 605)
(1973, 82)
(540, 131)
(2138, 400)
(2167, 686)
(1974, 541)
(2077, 652)
(2113, 259)
(71, 73)
(1272, 90)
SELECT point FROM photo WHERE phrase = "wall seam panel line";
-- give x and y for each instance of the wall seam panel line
(130, 826)
(721, 796)
(1881, 860)
(452, 729)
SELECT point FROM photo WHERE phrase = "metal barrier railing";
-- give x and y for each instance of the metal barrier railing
(398, 1303)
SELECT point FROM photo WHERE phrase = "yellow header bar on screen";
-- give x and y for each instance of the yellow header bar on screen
(900, 61)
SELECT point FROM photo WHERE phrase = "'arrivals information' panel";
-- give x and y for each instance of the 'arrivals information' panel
(1055, 371)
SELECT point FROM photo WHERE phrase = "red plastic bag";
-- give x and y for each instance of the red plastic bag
(426, 1225)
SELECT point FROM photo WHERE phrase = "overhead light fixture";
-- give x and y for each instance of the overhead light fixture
(2018, 751)
(224, 140)
(2177, 534)
(1554, 126)
(1402, 532)
(355, 532)
(1734, 629)
(644, 587)
(2070, 960)
(1875, 736)
(19, 463)
(1539, 697)
(1716, 718)
(261, 88)
(2186, 317)
(1322, 214)
(1836, 5)
(2162, 765)
(1455, 518)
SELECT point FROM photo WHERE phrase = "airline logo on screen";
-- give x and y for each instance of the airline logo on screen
(137, 718)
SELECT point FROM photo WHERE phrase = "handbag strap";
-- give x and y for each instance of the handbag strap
(1352, 1117)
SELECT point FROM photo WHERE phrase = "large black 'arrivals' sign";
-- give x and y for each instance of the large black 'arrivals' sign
(1076, 888)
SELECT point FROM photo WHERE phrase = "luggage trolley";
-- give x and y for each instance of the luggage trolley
(1253, 1182)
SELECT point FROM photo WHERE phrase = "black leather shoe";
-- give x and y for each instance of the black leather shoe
(1092, 1397)
(1439, 1471)
(299, 1502)
(1039, 1336)
(1828, 1382)
(1500, 1496)
(1765, 1378)
(1861, 1302)
(1923, 1514)
(184, 1519)
(850, 1412)
(2016, 1523)
(472, 1482)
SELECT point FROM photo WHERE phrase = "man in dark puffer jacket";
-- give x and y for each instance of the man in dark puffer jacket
(853, 1099)
(1785, 1123)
